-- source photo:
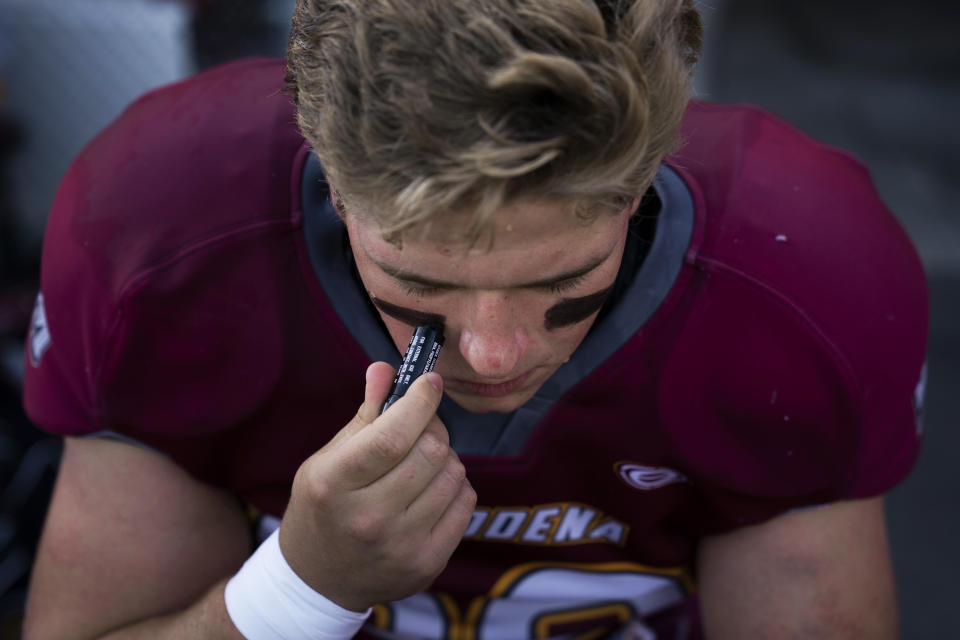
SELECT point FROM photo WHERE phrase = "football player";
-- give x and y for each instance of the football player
(681, 346)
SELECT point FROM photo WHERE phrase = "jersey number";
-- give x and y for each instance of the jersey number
(540, 600)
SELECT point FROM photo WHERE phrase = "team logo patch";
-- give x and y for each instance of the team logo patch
(39, 337)
(647, 478)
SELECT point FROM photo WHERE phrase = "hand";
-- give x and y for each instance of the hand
(376, 513)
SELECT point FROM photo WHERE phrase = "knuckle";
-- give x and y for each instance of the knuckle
(366, 527)
(455, 468)
(465, 500)
(436, 427)
(434, 449)
(389, 445)
(312, 482)
(469, 497)
(356, 466)
(449, 483)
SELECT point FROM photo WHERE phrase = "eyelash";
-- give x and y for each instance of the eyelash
(566, 285)
(419, 291)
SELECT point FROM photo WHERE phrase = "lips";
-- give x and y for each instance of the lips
(489, 390)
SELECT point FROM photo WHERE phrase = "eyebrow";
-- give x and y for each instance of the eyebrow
(426, 281)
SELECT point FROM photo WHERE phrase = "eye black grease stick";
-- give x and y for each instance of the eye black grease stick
(420, 358)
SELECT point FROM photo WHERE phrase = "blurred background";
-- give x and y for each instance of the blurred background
(878, 78)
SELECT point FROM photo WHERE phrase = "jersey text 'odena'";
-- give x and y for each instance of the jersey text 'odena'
(561, 523)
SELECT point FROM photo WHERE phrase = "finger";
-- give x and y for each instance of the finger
(440, 490)
(441, 537)
(437, 428)
(449, 529)
(385, 442)
(380, 377)
(396, 490)
(379, 380)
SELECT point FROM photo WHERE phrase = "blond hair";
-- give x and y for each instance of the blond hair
(422, 107)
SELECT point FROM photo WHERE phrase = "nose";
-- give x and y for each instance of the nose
(492, 343)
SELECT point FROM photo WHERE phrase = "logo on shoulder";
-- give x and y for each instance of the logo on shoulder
(647, 478)
(39, 335)
(919, 394)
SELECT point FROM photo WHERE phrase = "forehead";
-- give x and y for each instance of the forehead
(525, 239)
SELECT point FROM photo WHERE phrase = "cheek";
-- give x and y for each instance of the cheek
(399, 332)
(563, 342)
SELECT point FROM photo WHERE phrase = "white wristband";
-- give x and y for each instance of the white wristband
(267, 600)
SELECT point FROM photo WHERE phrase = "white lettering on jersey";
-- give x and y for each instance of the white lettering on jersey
(39, 338)
(551, 524)
(575, 522)
(647, 478)
(476, 523)
(541, 522)
(541, 600)
(505, 524)
(610, 530)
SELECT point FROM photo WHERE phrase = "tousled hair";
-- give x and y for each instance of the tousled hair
(418, 108)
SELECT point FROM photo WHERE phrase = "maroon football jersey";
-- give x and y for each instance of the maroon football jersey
(179, 308)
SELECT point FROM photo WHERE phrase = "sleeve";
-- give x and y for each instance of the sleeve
(73, 316)
(770, 412)
(799, 362)
(148, 219)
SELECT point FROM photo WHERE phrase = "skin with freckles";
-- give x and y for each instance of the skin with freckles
(512, 312)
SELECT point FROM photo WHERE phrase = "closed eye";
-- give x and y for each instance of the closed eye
(421, 286)
(561, 286)
(565, 285)
(421, 290)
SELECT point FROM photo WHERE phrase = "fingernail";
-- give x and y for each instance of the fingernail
(435, 380)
